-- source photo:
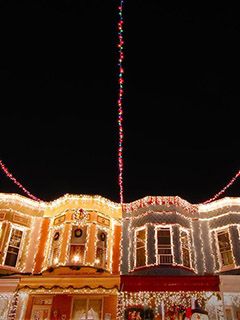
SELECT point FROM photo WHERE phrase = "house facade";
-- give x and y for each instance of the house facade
(59, 260)
(86, 257)
(177, 256)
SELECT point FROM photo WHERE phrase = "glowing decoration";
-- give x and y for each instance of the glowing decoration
(169, 304)
(57, 289)
(11, 177)
(76, 258)
(223, 189)
(120, 97)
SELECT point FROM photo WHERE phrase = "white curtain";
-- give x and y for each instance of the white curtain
(92, 315)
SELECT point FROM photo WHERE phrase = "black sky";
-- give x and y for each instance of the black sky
(59, 87)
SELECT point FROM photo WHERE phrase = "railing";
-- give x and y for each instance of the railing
(165, 259)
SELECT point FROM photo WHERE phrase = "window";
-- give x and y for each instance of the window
(140, 239)
(185, 249)
(164, 246)
(87, 309)
(41, 308)
(77, 245)
(13, 247)
(101, 249)
(225, 248)
(55, 247)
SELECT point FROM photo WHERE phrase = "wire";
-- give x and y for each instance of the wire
(11, 177)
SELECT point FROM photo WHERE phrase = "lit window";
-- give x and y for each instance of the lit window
(225, 248)
(87, 309)
(185, 249)
(13, 247)
(77, 245)
(101, 249)
(140, 248)
(164, 246)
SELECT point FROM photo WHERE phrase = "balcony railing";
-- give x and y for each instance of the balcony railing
(165, 259)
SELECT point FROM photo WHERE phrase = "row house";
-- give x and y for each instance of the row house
(59, 260)
(86, 257)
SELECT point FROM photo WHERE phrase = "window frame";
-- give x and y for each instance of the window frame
(135, 247)
(157, 228)
(54, 246)
(106, 231)
(68, 261)
(219, 253)
(87, 298)
(23, 230)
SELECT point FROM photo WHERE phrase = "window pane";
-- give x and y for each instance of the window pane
(164, 246)
(15, 238)
(141, 259)
(140, 248)
(164, 236)
(79, 309)
(11, 259)
(13, 248)
(79, 235)
(225, 248)
(224, 243)
(94, 309)
(76, 253)
(101, 249)
(186, 260)
(140, 238)
(227, 258)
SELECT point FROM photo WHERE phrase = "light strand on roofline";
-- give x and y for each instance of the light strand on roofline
(223, 189)
(11, 177)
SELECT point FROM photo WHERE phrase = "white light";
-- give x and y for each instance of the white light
(76, 258)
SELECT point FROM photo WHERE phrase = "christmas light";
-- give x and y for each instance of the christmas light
(170, 303)
(120, 97)
(223, 189)
(11, 177)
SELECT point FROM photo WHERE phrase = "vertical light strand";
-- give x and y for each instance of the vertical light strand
(11, 177)
(120, 97)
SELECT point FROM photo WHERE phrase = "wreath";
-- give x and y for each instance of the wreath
(78, 233)
(102, 236)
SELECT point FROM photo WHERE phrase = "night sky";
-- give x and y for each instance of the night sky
(59, 90)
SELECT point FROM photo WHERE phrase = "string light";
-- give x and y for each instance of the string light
(223, 189)
(11, 177)
(120, 97)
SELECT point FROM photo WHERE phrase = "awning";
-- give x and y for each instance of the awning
(137, 283)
